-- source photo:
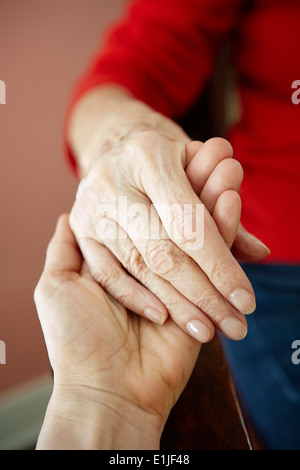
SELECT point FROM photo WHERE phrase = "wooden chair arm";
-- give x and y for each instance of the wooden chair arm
(207, 416)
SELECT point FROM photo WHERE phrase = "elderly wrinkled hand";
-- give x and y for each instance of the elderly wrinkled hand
(140, 251)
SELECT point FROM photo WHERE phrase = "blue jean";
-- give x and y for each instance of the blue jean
(267, 381)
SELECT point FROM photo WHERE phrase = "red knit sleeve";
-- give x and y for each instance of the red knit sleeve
(162, 51)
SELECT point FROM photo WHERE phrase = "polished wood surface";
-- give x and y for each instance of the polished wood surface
(207, 416)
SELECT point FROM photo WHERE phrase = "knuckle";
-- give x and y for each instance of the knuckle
(150, 145)
(220, 275)
(106, 275)
(100, 168)
(110, 280)
(101, 184)
(176, 222)
(187, 225)
(209, 303)
(125, 298)
(161, 257)
(133, 262)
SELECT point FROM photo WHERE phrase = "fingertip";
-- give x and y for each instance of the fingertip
(155, 315)
(249, 248)
(62, 220)
(200, 331)
(62, 229)
(243, 300)
(220, 146)
(62, 251)
(234, 328)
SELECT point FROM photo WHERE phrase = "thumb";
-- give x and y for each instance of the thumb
(247, 247)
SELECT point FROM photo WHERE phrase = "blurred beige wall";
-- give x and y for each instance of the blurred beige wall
(44, 45)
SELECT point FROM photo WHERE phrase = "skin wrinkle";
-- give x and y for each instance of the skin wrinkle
(130, 376)
(147, 146)
(108, 392)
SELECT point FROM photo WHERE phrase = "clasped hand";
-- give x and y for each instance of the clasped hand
(116, 373)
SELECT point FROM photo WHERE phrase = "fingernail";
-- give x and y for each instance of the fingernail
(258, 242)
(199, 331)
(233, 328)
(154, 315)
(243, 301)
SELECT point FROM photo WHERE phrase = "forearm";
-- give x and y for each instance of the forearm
(75, 421)
(106, 115)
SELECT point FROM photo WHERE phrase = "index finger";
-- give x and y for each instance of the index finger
(177, 206)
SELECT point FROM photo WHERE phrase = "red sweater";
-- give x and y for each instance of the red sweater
(163, 51)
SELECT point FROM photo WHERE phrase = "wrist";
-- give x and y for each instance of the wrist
(85, 418)
(106, 116)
